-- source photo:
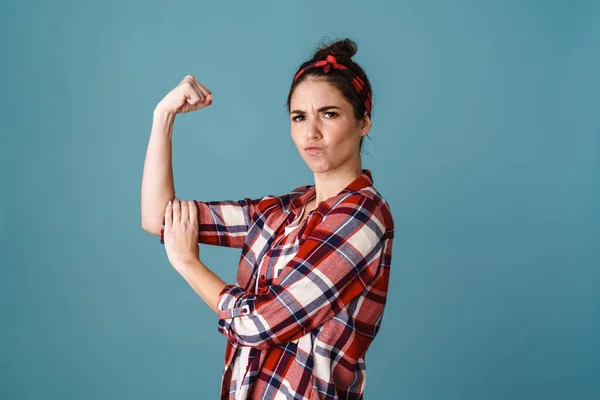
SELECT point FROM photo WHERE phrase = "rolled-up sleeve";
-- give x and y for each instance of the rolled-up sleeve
(334, 264)
(223, 223)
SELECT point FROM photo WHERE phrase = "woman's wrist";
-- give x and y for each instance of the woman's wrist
(163, 121)
(161, 115)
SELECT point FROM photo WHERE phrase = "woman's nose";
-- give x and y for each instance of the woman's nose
(313, 130)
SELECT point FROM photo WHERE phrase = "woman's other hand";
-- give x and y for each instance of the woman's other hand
(181, 232)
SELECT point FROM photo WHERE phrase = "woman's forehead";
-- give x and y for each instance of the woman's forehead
(316, 93)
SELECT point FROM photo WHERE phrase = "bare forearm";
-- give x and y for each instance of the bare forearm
(204, 282)
(157, 180)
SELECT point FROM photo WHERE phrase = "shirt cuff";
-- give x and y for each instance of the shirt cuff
(231, 304)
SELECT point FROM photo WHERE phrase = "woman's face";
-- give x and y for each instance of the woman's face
(323, 127)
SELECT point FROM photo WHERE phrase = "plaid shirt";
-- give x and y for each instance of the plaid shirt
(321, 290)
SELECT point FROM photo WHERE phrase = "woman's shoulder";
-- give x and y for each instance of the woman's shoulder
(378, 198)
(367, 200)
(364, 203)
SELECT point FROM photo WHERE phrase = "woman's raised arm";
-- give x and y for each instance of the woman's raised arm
(157, 180)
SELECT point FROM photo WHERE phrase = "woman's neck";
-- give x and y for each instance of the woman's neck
(329, 184)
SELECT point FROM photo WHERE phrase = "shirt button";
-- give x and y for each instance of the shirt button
(262, 277)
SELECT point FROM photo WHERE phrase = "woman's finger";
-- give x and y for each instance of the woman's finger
(176, 211)
(198, 96)
(184, 212)
(193, 213)
(197, 89)
(205, 90)
(208, 97)
(193, 94)
(169, 215)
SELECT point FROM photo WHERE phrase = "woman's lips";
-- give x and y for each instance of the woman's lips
(312, 150)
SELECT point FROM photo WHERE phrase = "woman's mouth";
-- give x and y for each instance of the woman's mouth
(312, 150)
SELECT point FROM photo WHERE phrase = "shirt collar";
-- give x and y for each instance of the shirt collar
(364, 180)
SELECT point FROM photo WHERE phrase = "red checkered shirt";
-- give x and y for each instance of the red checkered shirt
(321, 290)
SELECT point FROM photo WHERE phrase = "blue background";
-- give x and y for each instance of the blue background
(485, 143)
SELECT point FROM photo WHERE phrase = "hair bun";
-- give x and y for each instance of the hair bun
(341, 49)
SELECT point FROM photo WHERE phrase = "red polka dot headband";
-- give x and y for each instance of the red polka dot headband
(357, 82)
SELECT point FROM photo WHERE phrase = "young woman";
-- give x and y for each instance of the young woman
(313, 275)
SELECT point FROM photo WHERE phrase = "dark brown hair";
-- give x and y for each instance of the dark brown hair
(343, 50)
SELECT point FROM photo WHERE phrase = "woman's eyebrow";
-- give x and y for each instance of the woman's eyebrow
(324, 108)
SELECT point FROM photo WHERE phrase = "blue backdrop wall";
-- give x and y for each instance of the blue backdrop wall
(485, 143)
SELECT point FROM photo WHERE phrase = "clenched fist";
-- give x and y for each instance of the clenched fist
(189, 95)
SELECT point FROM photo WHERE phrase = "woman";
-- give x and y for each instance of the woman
(313, 276)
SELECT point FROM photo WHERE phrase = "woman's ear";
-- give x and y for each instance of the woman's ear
(365, 124)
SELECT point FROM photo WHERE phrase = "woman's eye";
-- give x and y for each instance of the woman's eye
(296, 118)
(330, 114)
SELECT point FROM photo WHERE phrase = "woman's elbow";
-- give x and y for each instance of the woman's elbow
(152, 228)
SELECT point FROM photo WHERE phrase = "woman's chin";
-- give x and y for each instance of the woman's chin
(318, 167)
